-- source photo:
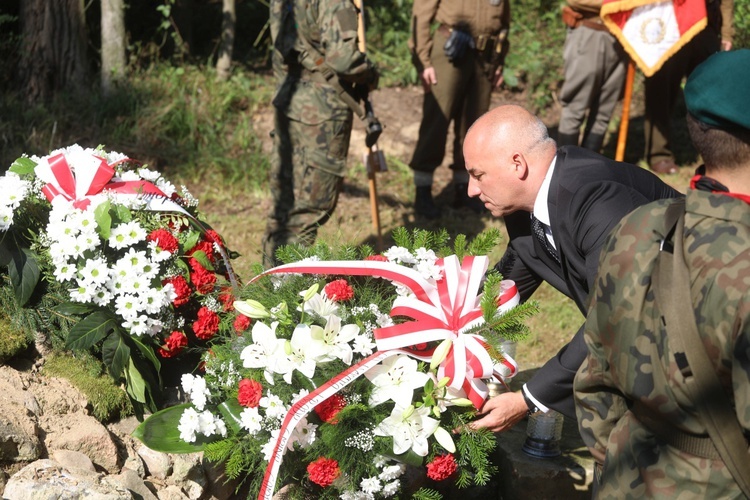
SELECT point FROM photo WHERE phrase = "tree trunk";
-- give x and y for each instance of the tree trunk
(53, 47)
(113, 44)
(228, 23)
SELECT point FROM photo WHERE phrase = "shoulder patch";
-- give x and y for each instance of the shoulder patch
(347, 19)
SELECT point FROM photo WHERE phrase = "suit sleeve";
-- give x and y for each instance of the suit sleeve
(594, 212)
(511, 265)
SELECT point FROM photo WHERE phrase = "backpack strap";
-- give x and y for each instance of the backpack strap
(672, 292)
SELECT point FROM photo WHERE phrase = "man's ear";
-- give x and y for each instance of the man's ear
(520, 166)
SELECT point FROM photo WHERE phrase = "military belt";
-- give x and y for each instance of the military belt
(694, 444)
(328, 77)
(481, 42)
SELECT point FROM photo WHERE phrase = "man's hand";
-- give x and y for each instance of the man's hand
(502, 412)
(498, 77)
(429, 78)
(726, 45)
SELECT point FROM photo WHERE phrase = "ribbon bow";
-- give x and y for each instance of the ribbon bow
(92, 174)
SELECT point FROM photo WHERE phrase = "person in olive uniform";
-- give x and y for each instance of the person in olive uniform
(318, 66)
(459, 65)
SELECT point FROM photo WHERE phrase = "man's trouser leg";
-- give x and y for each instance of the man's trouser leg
(305, 190)
(577, 86)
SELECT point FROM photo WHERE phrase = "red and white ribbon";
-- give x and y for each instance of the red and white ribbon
(91, 176)
(440, 310)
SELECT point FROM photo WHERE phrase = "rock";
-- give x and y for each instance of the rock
(73, 460)
(83, 433)
(157, 464)
(171, 492)
(46, 479)
(133, 482)
(219, 485)
(19, 430)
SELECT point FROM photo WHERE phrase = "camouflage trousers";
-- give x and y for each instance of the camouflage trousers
(308, 165)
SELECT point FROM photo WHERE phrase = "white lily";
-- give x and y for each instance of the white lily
(266, 351)
(409, 427)
(333, 341)
(395, 378)
(252, 309)
(300, 355)
(320, 305)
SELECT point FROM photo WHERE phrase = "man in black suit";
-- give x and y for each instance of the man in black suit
(558, 206)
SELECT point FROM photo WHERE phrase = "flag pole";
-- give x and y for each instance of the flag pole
(622, 138)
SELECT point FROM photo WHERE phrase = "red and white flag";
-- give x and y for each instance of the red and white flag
(652, 31)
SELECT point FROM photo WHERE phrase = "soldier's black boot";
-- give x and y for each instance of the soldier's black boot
(567, 139)
(424, 205)
(594, 142)
(462, 199)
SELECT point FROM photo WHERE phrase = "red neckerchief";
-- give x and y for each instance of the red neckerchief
(703, 183)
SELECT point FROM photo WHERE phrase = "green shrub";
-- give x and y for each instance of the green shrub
(13, 340)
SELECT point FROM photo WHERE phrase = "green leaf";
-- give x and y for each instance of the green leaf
(23, 166)
(409, 458)
(73, 308)
(159, 432)
(23, 270)
(103, 220)
(91, 330)
(203, 259)
(123, 213)
(191, 241)
(115, 354)
(149, 354)
(231, 410)
(135, 385)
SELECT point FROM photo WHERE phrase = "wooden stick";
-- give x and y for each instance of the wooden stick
(372, 156)
(622, 138)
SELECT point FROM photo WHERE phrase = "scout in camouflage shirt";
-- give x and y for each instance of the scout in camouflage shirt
(315, 48)
(630, 383)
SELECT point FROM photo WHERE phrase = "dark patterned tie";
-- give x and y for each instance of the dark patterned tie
(538, 227)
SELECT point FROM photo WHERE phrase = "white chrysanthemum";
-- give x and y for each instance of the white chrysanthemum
(81, 294)
(371, 485)
(148, 174)
(267, 449)
(84, 220)
(128, 305)
(139, 284)
(399, 255)
(158, 254)
(6, 217)
(132, 262)
(189, 425)
(127, 234)
(304, 433)
(13, 190)
(95, 272)
(250, 420)
(196, 389)
(391, 472)
(102, 297)
(298, 396)
(65, 272)
(129, 175)
(154, 300)
(138, 325)
(363, 345)
(88, 241)
(273, 405)
(166, 186)
(390, 489)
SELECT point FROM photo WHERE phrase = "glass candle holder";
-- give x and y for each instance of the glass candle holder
(543, 434)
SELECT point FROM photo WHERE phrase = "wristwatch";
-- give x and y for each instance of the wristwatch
(533, 408)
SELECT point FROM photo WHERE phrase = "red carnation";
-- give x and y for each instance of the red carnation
(213, 237)
(206, 246)
(241, 323)
(250, 393)
(207, 323)
(181, 289)
(227, 298)
(173, 345)
(442, 467)
(202, 279)
(328, 409)
(323, 471)
(377, 258)
(339, 291)
(164, 240)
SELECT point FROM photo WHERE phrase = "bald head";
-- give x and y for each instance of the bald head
(509, 127)
(508, 152)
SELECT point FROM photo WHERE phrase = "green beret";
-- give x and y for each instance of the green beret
(717, 92)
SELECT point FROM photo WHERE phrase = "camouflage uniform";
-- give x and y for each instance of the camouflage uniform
(312, 121)
(630, 360)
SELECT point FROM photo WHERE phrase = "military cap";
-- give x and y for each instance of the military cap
(717, 92)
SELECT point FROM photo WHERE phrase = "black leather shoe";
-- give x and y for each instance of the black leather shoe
(424, 205)
(462, 199)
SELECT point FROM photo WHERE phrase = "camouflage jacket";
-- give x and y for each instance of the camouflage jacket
(629, 354)
(303, 32)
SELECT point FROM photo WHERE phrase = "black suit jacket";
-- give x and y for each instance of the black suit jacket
(588, 195)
